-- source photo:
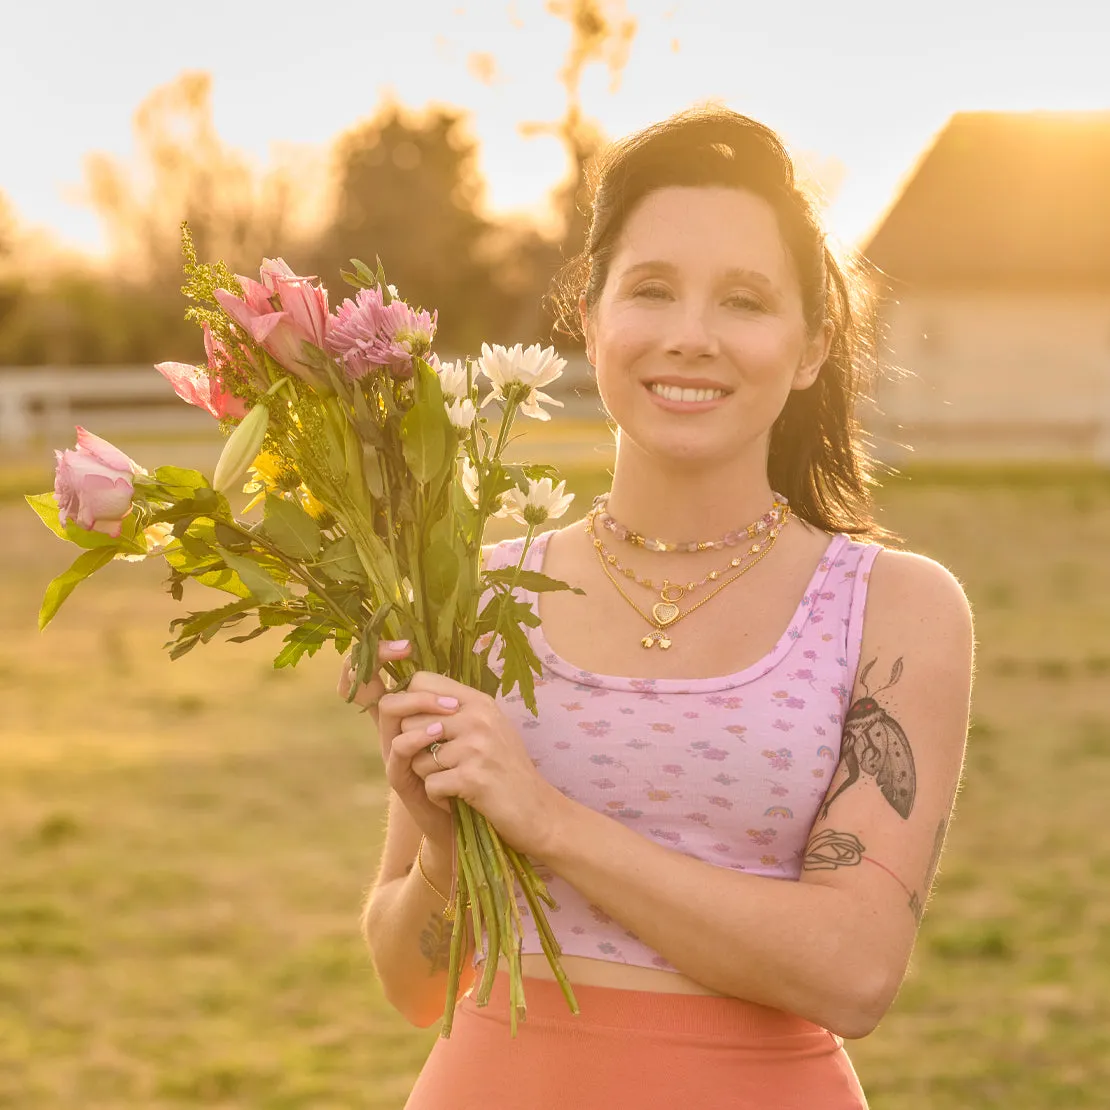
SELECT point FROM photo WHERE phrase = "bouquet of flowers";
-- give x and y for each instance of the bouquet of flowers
(376, 476)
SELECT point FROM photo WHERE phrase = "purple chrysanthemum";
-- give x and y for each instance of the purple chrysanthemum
(368, 335)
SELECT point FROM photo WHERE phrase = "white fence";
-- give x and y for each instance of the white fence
(41, 406)
(44, 403)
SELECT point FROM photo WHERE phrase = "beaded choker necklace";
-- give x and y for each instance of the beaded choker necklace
(775, 515)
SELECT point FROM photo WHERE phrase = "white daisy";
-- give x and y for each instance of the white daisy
(541, 502)
(516, 375)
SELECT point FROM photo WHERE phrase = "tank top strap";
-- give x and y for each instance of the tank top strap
(860, 557)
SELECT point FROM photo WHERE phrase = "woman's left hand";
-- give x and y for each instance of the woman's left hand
(484, 761)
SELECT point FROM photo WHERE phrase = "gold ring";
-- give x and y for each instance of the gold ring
(433, 750)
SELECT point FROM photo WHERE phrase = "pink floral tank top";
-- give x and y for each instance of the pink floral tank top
(730, 770)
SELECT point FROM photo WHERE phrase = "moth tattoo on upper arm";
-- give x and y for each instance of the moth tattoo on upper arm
(874, 744)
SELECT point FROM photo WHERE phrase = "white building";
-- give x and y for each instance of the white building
(997, 253)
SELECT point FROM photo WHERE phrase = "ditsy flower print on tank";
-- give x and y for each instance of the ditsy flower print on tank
(729, 770)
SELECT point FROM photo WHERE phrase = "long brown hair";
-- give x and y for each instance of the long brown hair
(817, 456)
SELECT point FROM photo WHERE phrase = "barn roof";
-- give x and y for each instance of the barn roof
(1004, 198)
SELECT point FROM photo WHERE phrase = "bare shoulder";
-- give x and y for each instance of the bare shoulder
(912, 592)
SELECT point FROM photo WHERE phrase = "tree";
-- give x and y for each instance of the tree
(184, 171)
(406, 189)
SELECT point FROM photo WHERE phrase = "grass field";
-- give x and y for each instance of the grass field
(184, 847)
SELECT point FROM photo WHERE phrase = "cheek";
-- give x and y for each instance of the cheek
(626, 334)
(764, 352)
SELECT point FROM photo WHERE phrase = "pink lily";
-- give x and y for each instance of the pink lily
(205, 390)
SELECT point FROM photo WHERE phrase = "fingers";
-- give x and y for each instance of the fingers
(369, 692)
(394, 710)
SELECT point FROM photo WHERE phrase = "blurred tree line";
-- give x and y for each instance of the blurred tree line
(401, 186)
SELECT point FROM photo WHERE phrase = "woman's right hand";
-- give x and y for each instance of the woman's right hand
(435, 821)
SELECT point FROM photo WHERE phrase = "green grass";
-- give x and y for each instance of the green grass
(184, 847)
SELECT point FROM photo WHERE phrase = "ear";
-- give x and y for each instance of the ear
(816, 352)
(587, 329)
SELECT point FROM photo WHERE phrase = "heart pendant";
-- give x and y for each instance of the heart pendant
(664, 612)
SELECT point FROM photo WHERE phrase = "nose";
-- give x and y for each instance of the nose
(692, 334)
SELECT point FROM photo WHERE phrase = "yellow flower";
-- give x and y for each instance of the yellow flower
(271, 474)
(310, 503)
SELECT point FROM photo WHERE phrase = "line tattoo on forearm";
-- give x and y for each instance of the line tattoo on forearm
(831, 849)
(874, 744)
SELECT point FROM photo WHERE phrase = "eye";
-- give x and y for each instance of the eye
(745, 300)
(653, 292)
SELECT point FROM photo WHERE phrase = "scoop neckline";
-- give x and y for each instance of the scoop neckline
(791, 634)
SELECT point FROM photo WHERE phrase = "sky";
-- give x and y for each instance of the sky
(857, 84)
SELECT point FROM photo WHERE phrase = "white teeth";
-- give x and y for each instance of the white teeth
(674, 393)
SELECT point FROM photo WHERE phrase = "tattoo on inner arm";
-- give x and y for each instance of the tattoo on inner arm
(874, 744)
(435, 943)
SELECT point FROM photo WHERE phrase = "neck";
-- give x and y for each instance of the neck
(665, 501)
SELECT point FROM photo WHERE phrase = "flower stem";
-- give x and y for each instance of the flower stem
(506, 424)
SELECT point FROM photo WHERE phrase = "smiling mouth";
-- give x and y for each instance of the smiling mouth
(677, 395)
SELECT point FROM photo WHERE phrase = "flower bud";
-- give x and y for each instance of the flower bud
(241, 449)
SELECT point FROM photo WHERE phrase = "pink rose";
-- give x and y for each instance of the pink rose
(94, 484)
(205, 390)
(280, 313)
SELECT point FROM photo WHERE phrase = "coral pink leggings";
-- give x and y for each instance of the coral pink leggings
(629, 1049)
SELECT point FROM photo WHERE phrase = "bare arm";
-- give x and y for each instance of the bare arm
(410, 939)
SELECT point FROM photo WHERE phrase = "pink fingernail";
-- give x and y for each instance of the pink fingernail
(448, 703)
(434, 729)
(395, 645)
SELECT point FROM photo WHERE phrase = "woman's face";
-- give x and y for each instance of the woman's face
(701, 295)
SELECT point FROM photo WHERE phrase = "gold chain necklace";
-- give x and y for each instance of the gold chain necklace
(666, 613)
(712, 576)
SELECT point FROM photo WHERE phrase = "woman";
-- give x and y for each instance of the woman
(751, 690)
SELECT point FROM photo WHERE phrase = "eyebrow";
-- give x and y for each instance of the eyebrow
(736, 273)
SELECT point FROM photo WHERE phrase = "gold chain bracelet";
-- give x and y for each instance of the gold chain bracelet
(420, 867)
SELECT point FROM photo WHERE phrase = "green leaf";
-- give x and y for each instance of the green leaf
(290, 529)
(365, 274)
(62, 586)
(536, 471)
(180, 482)
(217, 575)
(254, 632)
(440, 565)
(503, 611)
(423, 441)
(207, 623)
(231, 538)
(307, 639)
(520, 660)
(372, 472)
(47, 510)
(531, 580)
(445, 620)
(364, 654)
(339, 561)
(256, 580)
(426, 434)
(183, 646)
